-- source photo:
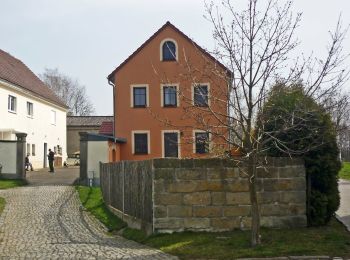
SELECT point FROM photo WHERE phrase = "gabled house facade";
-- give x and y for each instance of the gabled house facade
(161, 92)
(28, 106)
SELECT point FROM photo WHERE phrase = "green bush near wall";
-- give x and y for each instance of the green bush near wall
(315, 139)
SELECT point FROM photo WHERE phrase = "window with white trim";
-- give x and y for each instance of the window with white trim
(139, 96)
(200, 95)
(28, 149)
(171, 144)
(12, 104)
(169, 96)
(141, 142)
(53, 117)
(201, 142)
(169, 51)
(33, 149)
(30, 109)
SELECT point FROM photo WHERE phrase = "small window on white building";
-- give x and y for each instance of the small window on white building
(59, 150)
(33, 149)
(28, 149)
(53, 117)
(12, 104)
(29, 109)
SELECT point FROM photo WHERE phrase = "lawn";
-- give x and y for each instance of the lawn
(332, 240)
(7, 184)
(91, 198)
(345, 171)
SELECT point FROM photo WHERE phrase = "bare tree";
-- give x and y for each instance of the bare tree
(69, 90)
(259, 45)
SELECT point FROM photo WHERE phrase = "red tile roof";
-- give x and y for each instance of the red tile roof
(16, 72)
(106, 128)
(110, 76)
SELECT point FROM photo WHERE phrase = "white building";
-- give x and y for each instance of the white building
(28, 106)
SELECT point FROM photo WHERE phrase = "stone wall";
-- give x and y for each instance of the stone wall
(213, 194)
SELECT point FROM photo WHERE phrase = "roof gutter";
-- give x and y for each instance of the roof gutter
(109, 78)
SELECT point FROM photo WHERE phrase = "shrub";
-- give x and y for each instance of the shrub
(303, 128)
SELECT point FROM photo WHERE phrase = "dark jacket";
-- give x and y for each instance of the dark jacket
(51, 156)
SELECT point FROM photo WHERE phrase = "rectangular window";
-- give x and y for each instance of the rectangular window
(200, 95)
(29, 109)
(53, 117)
(171, 145)
(140, 143)
(12, 104)
(169, 96)
(33, 149)
(140, 96)
(59, 150)
(28, 149)
(202, 142)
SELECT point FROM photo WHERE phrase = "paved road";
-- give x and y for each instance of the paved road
(62, 176)
(343, 212)
(46, 222)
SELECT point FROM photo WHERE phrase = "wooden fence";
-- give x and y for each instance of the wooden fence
(127, 187)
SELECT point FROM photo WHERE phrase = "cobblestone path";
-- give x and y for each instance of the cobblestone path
(46, 222)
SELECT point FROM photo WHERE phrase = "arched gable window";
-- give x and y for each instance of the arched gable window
(169, 52)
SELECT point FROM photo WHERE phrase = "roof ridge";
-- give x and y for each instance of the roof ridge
(168, 23)
(21, 75)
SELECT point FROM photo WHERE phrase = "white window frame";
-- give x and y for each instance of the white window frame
(201, 84)
(28, 149)
(161, 48)
(33, 149)
(28, 110)
(162, 93)
(53, 117)
(148, 132)
(14, 110)
(132, 94)
(194, 141)
(178, 142)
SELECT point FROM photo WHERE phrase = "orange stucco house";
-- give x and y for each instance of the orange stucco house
(163, 93)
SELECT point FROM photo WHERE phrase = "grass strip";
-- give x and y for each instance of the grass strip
(345, 171)
(8, 184)
(332, 240)
(91, 198)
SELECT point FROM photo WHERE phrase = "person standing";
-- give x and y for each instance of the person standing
(51, 158)
(27, 163)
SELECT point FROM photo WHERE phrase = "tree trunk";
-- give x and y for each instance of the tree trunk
(255, 234)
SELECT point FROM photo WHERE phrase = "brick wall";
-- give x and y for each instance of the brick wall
(213, 194)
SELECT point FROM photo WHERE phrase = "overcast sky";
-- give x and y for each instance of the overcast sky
(87, 39)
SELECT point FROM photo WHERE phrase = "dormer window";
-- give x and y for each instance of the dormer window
(169, 50)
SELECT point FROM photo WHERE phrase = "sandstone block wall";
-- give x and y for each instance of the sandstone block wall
(213, 194)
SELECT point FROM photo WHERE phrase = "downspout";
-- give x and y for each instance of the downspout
(114, 116)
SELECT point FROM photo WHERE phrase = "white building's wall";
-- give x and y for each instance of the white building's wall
(8, 157)
(39, 128)
(97, 152)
